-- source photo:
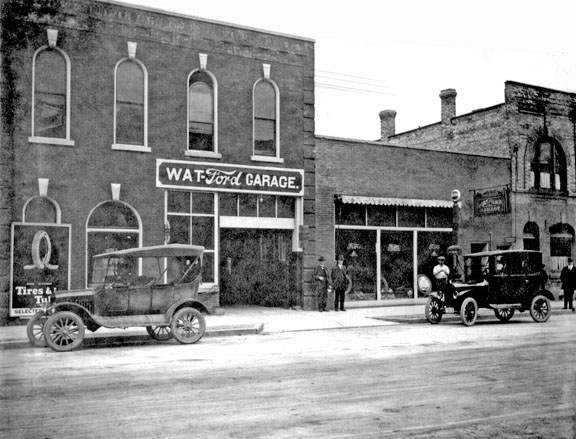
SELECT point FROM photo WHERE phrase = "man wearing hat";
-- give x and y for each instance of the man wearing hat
(441, 273)
(340, 280)
(321, 278)
(568, 278)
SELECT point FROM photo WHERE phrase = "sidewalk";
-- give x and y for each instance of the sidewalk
(244, 320)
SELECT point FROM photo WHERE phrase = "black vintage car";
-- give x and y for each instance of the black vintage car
(153, 287)
(503, 280)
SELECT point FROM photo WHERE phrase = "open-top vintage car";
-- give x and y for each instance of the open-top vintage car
(503, 280)
(154, 287)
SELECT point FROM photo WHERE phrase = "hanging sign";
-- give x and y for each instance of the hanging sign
(178, 174)
(40, 265)
(492, 202)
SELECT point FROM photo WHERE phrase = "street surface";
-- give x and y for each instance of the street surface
(408, 380)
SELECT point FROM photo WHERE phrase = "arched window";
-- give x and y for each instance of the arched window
(112, 225)
(130, 103)
(51, 97)
(265, 119)
(201, 112)
(548, 166)
(531, 236)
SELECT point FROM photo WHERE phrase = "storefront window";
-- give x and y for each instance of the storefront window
(359, 250)
(265, 206)
(430, 246)
(350, 214)
(382, 216)
(411, 217)
(397, 264)
(191, 219)
(439, 217)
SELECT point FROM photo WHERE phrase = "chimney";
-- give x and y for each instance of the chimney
(387, 124)
(448, 98)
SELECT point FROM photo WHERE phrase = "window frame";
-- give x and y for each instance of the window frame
(557, 162)
(197, 153)
(66, 141)
(123, 146)
(276, 158)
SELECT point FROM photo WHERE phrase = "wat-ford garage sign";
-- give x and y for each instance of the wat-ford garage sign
(176, 174)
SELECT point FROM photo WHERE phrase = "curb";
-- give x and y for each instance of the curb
(107, 340)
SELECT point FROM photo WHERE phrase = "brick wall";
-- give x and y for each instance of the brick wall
(94, 35)
(374, 169)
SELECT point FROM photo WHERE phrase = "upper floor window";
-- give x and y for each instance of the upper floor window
(51, 94)
(548, 166)
(130, 104)
(200, 112)
(266, 124)
(265, 119)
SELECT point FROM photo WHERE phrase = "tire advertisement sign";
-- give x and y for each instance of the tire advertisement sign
(40, 265)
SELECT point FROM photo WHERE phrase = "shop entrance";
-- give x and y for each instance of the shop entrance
(257, 267)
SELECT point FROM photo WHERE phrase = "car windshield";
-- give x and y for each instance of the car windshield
(129, 270)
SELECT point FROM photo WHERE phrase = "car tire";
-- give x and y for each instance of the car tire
(35, 328)
(433, 310)
(469, 311)
(188, 325)
(160, 333)
(504, 314)
(64, 331)
(540, 308)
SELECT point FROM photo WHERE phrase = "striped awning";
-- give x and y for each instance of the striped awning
(383, 201)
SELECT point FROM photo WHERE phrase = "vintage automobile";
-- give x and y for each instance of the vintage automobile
(503, 280)
(154, 287)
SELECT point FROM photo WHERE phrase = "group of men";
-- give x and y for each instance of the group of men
(337, 279)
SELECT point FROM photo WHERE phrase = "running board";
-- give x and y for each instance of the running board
(506, 306)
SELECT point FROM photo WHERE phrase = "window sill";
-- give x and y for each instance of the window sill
(133, 148)
(263, 158)
(204, 154)
(51, 141)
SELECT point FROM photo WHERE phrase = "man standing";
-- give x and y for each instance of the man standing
(321, 278)
(441, 273)
(568, 278)
(340, 281)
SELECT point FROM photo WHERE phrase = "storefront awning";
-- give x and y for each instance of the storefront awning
(382, 201)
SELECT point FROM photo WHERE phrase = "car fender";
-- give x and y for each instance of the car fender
(437, 294)
(546, 294)
(84, 314)
(192, 303)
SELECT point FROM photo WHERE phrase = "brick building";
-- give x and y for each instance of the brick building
(125, 127)
(388, 210)
(535, 130)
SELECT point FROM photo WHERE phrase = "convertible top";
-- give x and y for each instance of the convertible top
(501, 252)
(157, 251)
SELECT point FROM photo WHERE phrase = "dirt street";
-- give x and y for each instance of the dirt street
(515, 380)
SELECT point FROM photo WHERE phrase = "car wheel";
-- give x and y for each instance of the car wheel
(34, 329)
(433, 310)
(540, 309)
(160, 333)
(504, 314)
(64, 331)
(188, 325)
(469, 311)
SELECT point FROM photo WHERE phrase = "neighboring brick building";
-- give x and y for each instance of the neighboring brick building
(535, 128)
(388, 210)
(119, 121)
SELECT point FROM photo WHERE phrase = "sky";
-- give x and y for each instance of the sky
(374, 55)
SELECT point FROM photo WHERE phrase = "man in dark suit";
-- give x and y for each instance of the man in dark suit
(568, 278)
(321, 278)
(340, 281)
